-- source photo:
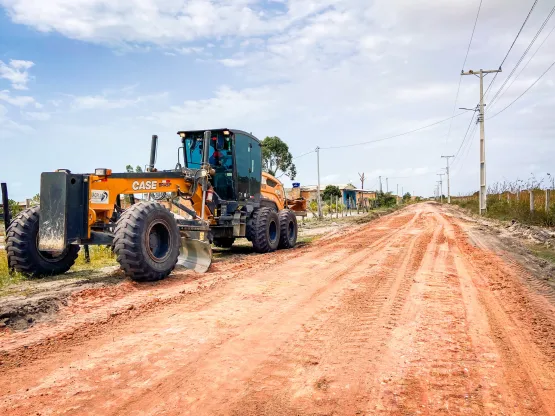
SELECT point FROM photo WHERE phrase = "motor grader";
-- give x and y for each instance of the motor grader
(219, 189)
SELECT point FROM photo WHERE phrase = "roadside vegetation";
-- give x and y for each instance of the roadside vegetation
(100, 257)
(509, 201)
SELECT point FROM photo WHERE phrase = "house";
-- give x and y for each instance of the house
(351, 196)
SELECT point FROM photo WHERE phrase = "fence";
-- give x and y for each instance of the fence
(535, 206)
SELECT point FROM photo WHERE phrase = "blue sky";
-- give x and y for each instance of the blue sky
(85, 83)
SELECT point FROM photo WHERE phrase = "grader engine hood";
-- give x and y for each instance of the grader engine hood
(64, 203)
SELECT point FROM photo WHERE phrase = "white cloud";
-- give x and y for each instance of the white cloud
(161, 22)
(9, 127)
(189, 50)
(36, 115)
(324, 72)
(432, 91)
(111, 100)
(18, 101)
(233, 63)
(17, 72)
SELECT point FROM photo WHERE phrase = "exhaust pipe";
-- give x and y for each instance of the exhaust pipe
(6, 205)
(205, 150)
(153, 150)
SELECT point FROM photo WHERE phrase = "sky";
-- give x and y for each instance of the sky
(85, 83)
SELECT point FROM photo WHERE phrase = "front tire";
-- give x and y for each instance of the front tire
(23, 253)
(147, 242)
(288, 229)
(265, 230)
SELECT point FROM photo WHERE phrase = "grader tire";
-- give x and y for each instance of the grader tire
(147, 242)
(23, 253)
(288, 229)
(265, 230)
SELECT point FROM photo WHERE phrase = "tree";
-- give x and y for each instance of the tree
(385, 199)
(14, 207)
(130, 169)
(35, 200)
(406, 197)
(331, 191)
(276, 157)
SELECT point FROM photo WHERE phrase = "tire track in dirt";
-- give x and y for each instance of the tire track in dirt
(520, 321)
(265, 287)
(90, 312)
(299, 314)
(329, 364)
(402, 316)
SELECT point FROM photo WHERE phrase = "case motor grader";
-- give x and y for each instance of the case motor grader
(220, 186)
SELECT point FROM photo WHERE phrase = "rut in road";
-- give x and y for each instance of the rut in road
(404, 315)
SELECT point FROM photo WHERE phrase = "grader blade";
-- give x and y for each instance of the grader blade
(195, 255)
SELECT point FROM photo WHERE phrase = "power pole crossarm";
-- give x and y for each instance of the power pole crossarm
(481, 119)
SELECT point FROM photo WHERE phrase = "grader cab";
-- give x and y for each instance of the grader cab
(220, 186)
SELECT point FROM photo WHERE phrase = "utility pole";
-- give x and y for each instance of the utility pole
(441, 187)
(318, 167)
(361, 176)
(448, 179)
(386, 185)
(381, 184)
(481, 119)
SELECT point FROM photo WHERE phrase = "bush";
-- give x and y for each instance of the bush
(385, 199)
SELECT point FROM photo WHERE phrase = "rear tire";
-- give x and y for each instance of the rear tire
(288, 229)
(147, 242)
(224, 242)
(23, 253)
(265, 230)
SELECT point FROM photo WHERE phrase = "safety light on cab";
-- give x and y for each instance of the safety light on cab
(103, 172)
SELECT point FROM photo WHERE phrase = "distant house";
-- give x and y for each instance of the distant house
(351, 196)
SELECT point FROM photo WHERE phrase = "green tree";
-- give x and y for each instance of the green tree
(385, 199)
(331, 191)
(14, 207)
(35, 200)
(406, 197)
(129, 169)
(277, 158)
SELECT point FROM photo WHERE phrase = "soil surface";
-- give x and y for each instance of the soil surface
(417, 312)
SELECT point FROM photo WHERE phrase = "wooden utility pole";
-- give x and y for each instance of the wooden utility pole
(483, 189)
(361, 176)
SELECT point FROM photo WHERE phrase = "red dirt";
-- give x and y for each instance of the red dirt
(409, 314)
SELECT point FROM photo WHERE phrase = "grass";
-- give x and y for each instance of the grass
(505, 211)
(100, 257)
(544, 253)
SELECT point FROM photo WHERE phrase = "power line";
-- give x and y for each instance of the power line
(519, 32)
(523, 55)
(465, 135)
(394, 136)
(525, 91)
(304, 154)
(513, 44)
(523, 68)
(462, 69)
(466, 150)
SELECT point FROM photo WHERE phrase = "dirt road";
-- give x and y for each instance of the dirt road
(413, 313)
